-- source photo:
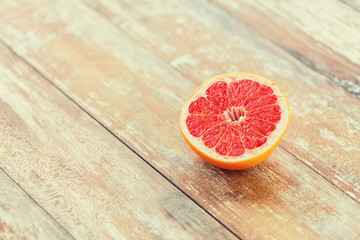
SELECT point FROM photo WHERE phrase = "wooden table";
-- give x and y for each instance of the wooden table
(90, 94)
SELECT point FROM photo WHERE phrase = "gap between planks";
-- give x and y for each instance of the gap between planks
(155, 165)
(311, 65)
(350, 5)
(296, 55)
(116, 137)
(33, 200)
(319, 174)
(135, 40)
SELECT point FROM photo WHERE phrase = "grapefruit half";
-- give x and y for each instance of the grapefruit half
(236, 120)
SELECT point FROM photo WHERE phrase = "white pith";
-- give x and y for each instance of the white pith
(228, 78)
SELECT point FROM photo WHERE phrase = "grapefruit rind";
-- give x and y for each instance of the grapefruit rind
(250, 157)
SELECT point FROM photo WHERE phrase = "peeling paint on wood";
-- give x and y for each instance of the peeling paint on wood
(313, 102)
(92, 184)
(161, 58)
(22, 218)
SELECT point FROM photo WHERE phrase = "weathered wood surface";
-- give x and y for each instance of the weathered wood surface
(93, 185)
(22, 218)
(131, 65)
(322, 34)
(355, 4)
(200, 40)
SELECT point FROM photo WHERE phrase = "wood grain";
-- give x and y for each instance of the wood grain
(92, 184)
(137, 95)
(22, 218)
(201, 40)
(355, 4)
(323, 34)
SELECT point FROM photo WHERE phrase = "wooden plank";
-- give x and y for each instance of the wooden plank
(201, 40)
(22, 218)
(355, 4)
(87, 180)
(138, 96)
(323, 35)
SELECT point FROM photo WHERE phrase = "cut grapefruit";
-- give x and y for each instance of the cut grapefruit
(236, 120)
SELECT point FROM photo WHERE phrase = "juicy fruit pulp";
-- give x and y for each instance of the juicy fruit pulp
(234, 117)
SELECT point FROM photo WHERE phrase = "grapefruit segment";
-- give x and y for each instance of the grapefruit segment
(233, 142)
(199, 123)
(251, 138)
(234, 121)
(217, 95)
(212, 137)
(203, 106)
(263, 127)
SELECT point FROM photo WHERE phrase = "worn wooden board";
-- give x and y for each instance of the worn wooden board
(22, 218)
(137, 95)
(92, 184)
(323, 34)
(200, 40)
(355, 4)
